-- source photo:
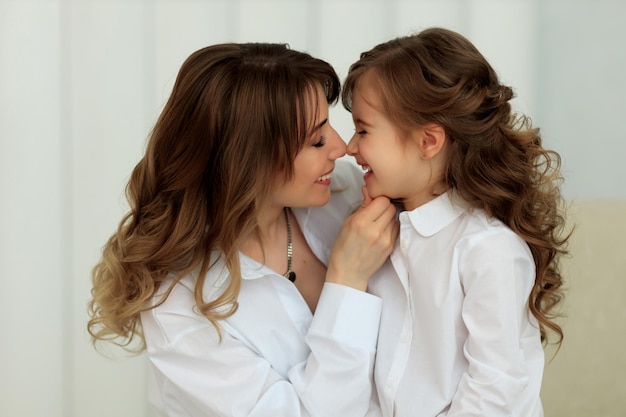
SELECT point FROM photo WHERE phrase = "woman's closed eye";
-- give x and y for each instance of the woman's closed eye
(320, 143)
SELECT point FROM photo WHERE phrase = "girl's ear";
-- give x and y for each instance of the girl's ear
(431, 140)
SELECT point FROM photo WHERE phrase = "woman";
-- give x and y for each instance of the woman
(223, 266)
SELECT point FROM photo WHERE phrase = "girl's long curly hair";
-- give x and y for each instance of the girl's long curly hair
(237, 115)
(497, 162)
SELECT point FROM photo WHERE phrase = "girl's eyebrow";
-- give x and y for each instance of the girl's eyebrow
(361, 122)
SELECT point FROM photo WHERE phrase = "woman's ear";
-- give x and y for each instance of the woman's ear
(431, 139)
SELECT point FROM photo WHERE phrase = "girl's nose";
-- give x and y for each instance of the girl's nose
(352, 147)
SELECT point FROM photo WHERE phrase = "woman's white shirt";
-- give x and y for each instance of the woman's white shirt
(275, 358)
(457, 338)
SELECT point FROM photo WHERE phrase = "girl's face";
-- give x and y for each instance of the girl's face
(392, 158)
(314, 163)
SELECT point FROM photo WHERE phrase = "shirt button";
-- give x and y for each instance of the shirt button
(391, 384)
(406, 337)
(404, 243)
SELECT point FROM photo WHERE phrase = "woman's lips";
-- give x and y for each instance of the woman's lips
(325, 179)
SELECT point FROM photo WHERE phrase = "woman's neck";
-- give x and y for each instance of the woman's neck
(271, 224)
(267, 244)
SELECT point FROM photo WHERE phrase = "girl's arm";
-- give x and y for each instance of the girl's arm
(503, 347)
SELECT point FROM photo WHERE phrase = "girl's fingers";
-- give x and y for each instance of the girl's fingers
(367, 199)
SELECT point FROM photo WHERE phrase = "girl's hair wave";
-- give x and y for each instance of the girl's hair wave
(497, 162)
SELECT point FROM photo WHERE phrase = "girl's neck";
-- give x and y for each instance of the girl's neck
(414, 202)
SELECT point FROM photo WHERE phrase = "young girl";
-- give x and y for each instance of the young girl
(469, 291)
(224, 267)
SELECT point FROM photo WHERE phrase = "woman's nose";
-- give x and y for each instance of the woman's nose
(338, 146)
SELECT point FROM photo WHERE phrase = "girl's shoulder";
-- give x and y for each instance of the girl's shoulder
(487, 234)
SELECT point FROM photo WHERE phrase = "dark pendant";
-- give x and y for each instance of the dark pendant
(291, 276)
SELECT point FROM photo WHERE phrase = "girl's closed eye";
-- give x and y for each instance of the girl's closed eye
(320, 143)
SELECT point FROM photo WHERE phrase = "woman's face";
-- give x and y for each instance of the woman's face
(314, 163)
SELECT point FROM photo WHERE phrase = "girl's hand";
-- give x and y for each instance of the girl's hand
(365, 240)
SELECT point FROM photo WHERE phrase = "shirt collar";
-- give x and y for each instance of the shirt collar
(435, 215)
(218, 275)
(251, 269)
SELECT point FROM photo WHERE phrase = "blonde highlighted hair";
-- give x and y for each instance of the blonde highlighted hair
(238, 113)
(497, 162)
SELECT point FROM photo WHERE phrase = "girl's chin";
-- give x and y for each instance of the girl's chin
(374, 191)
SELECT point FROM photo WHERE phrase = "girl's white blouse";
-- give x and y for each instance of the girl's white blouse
(275, 358)
(456, 336)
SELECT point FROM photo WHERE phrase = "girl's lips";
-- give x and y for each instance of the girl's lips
(368, 171)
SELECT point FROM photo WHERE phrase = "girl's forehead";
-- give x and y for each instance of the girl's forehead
(367, 93)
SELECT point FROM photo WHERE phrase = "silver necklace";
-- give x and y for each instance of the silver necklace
(290, 275)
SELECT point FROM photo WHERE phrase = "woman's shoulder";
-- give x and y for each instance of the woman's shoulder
(178, 293)
(321, 225)
(346, 186)
(345, 197)
(347, 177)
(173, 306)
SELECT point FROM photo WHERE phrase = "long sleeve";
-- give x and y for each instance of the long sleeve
(337, 378)
(328, 366)
(502, 345)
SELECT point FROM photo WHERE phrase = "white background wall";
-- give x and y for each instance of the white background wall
(82, 82)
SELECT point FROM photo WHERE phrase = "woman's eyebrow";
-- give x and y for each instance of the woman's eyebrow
(319, 125)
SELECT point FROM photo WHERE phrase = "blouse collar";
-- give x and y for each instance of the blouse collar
(434, 216)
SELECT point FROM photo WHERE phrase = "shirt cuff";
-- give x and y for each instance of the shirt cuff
(347, 315)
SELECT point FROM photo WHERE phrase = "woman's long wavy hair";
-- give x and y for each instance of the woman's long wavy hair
(237, 115)
(496, 163)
